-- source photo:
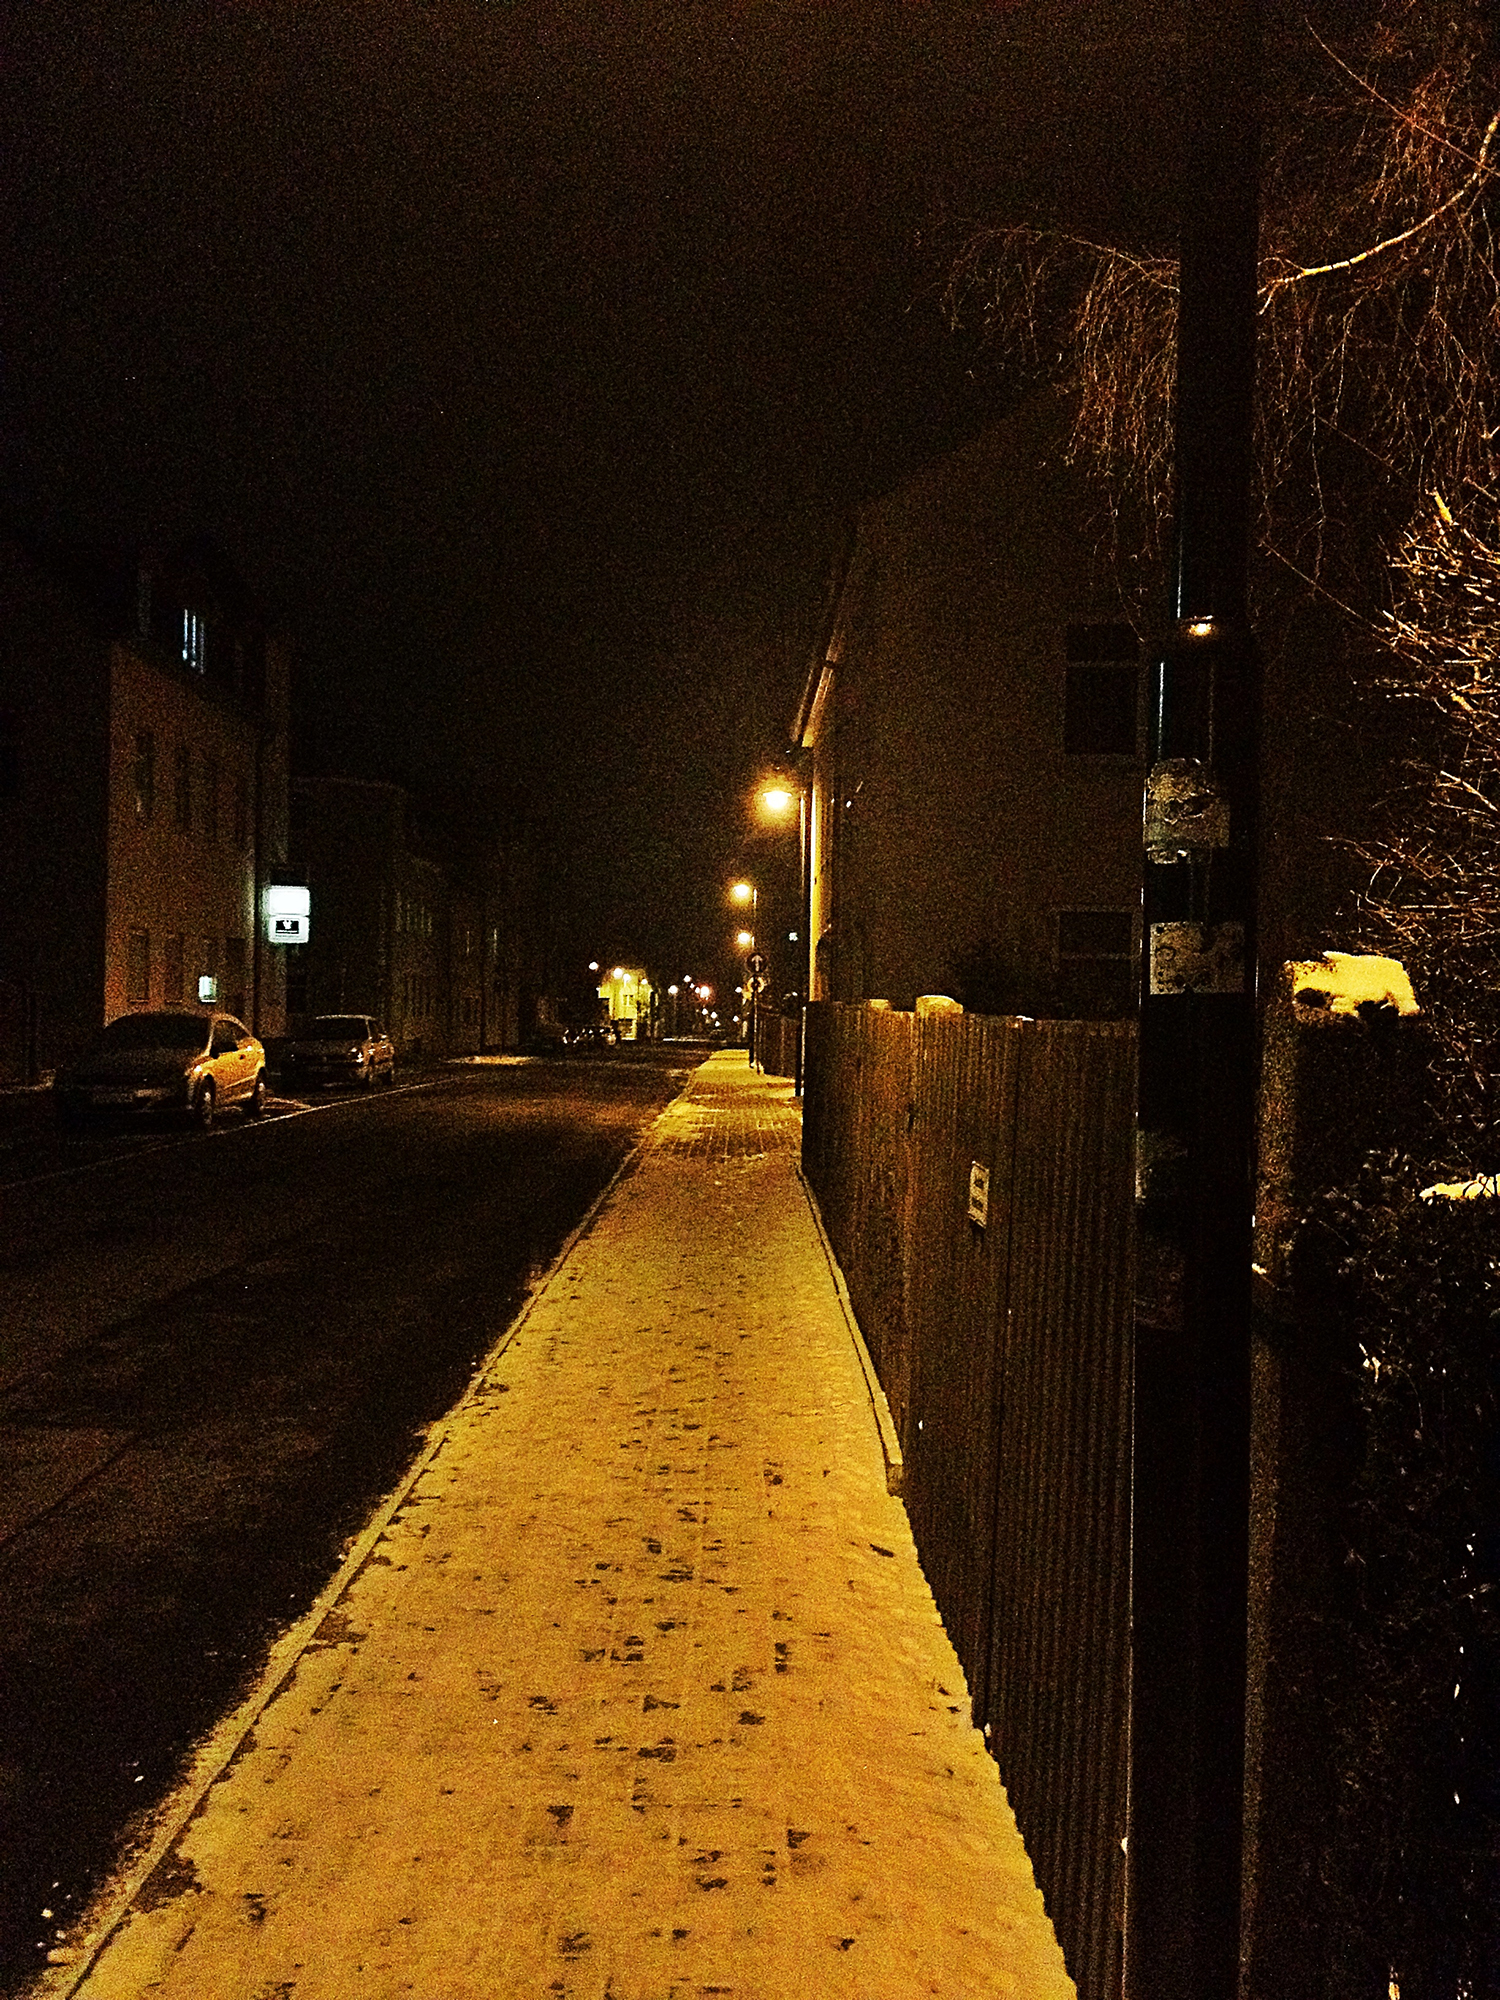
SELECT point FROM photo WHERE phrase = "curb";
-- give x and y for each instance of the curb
(890, 1444)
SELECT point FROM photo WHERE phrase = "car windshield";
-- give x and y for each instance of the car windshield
(156, 1031)
(339, 1028)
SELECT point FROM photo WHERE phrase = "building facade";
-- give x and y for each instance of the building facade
(433, 936)
(972, 732)
(143, 795)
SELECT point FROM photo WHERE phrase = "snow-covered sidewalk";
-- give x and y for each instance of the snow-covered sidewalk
(637, 1689)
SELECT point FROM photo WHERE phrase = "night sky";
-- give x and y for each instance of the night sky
(525, 355)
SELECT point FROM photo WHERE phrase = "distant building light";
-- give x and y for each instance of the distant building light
(208, 989)
(194, 641)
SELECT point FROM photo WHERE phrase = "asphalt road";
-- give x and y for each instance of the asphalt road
(217, 1353)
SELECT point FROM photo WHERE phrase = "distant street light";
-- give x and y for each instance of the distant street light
(743, 893)
(777, 797)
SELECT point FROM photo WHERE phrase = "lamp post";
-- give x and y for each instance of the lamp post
(776, 799)
(747, 895)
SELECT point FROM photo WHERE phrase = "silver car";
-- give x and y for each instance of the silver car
(339, 1048)
(175, 1062)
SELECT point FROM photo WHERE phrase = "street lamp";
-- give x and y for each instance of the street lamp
(778, 797)
(746, 893)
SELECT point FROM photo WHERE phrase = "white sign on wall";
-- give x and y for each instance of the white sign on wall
(288, 912)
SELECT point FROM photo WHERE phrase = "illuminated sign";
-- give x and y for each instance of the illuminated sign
(288, 907)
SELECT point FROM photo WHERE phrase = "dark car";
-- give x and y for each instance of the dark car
(339, 1048)
(175, 1062)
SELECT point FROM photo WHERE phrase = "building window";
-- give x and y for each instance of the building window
(1096, 962)
(138, 969)
(211, 800)
(10, 755)
(145, 773)
(194, 642)
(182, 787)
(1102, 691)
(1101, 642)
(1100, 711)
(174, 958)
(296, 981)
(241, 815)
(234, 974)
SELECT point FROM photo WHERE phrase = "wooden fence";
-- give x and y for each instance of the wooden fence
(1004, 1347)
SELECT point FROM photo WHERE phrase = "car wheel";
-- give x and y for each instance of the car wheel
(255, 1103)
(203, 1105)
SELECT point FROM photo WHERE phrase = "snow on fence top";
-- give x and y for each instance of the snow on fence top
(1344, 981)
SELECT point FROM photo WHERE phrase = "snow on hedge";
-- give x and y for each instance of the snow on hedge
(1344, 981)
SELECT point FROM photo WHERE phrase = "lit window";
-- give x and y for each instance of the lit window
(194, 641)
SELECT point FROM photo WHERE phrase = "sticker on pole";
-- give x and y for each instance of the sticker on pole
(1197, 958)
(979, 1194)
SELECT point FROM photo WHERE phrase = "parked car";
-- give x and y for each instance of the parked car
(339, 1048)
(592, 1035)
(175, 1062)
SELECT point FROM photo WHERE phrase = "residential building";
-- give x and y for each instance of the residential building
(973, 732)
(143, 793)
(428, 930)
(631, 1002)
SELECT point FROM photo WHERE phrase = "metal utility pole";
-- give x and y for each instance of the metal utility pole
(1198, 1074)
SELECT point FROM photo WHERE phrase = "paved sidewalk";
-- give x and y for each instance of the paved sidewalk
(638, 1692)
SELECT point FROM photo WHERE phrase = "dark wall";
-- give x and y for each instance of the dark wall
(54, 694)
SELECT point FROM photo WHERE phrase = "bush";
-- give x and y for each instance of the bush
(1411, 1862)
